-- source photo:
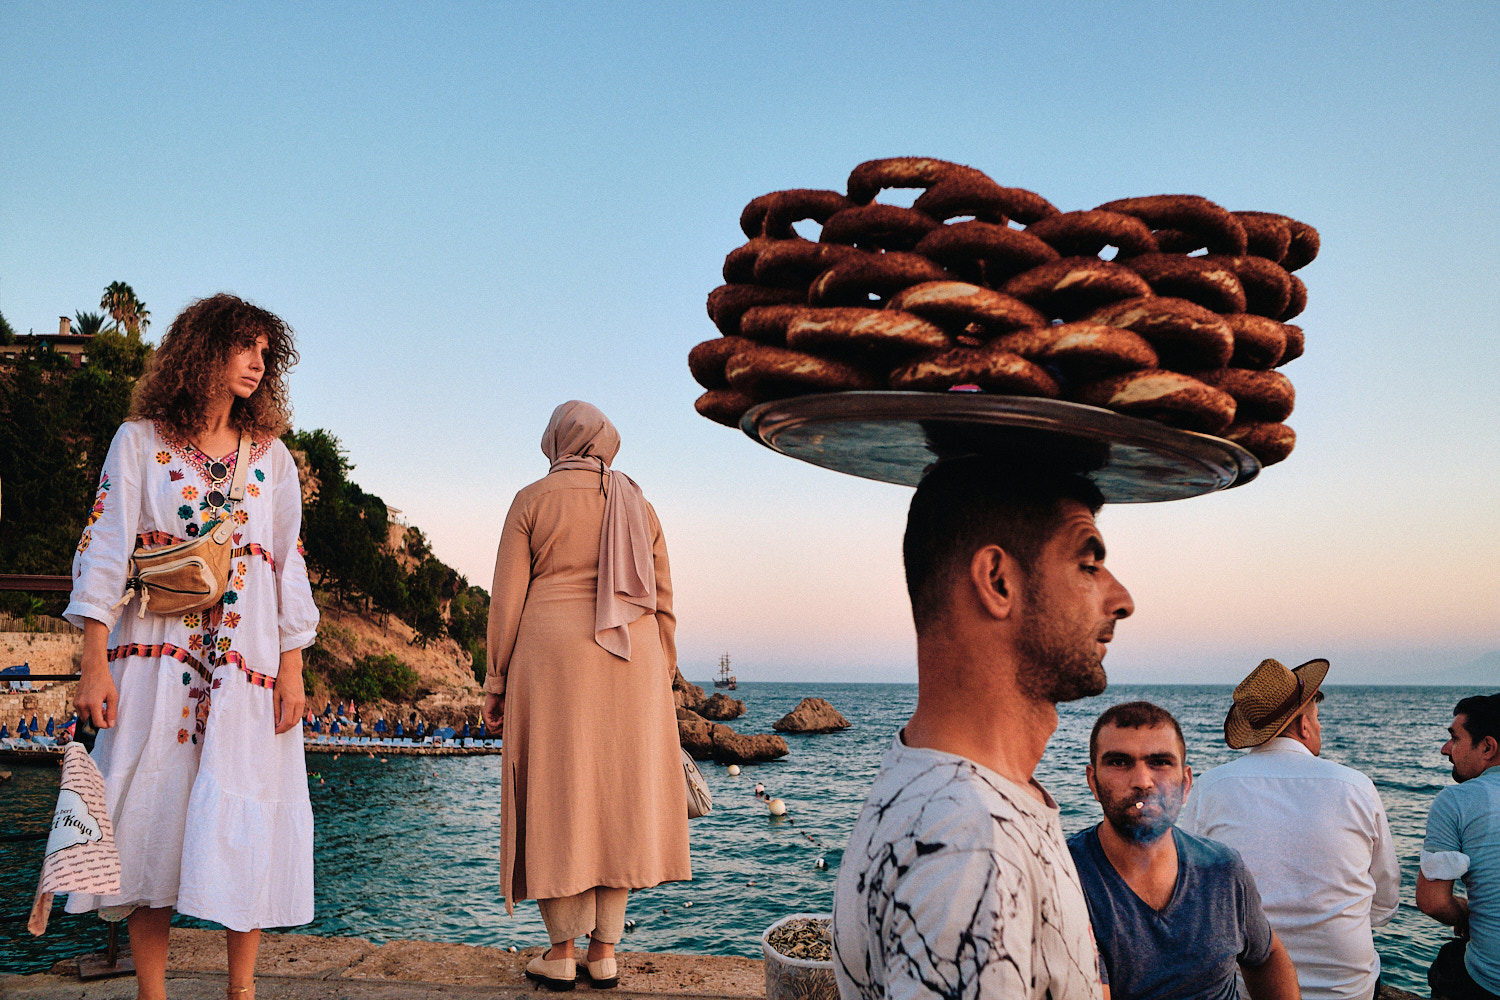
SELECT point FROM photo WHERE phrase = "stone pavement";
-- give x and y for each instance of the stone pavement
(304, 967)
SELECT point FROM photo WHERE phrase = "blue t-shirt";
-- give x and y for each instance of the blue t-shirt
(1190, 949)
(1466, 818)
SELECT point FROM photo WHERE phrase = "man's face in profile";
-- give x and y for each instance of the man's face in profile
(1070, 604)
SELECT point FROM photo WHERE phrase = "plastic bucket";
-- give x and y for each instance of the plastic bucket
(789, 978)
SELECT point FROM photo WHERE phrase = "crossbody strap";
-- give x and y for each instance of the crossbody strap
(241, 468)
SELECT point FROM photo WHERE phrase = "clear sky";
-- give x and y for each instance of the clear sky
(472, 212)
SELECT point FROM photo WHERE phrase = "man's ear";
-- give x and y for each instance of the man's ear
(995, 580)
(1088, 773)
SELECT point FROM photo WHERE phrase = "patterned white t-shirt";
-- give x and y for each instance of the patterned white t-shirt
(958, 883)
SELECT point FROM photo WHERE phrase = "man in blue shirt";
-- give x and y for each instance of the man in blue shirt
(1463, 841)
(1174, 915)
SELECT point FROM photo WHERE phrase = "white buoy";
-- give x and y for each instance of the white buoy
(734, 769)
(512, 949)
(688, 905)
(820, 863)
(777, 807)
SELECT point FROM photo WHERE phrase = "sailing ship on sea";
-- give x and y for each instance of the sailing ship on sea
(725, 679)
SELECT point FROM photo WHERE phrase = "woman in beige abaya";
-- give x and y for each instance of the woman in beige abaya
(579, 680)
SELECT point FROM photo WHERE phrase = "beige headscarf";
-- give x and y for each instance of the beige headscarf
(579, 436)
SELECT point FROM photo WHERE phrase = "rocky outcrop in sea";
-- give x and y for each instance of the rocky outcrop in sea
(812, 715)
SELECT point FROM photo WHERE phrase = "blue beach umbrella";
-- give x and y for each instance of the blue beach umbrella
(334, 727)
(49, 725)
(465, 733)
(398, 728)
(4, 732)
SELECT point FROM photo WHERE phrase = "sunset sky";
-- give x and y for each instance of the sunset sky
(472, 212)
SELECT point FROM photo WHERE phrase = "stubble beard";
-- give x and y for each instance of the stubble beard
(1055, 666)
(1134, 825)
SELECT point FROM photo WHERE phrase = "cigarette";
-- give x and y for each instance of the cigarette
(1140, 805)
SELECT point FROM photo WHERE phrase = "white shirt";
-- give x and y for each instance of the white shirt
(1315, 836)
(958, 884)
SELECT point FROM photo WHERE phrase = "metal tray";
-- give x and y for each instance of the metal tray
(894, 437)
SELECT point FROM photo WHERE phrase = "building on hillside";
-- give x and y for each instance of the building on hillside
(74, 346)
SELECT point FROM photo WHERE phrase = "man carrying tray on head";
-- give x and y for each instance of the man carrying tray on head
(957, 881)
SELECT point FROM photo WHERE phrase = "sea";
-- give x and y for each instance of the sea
(408, 847)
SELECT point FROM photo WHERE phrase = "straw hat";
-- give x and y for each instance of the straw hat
(1269, 699)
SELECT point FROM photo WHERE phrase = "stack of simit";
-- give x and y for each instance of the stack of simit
(982, 286)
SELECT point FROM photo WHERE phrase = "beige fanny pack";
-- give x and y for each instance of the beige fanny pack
(192, 575)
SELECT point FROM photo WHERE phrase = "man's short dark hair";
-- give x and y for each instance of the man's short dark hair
(965, 504)
(1481, 714)
(1134, 715)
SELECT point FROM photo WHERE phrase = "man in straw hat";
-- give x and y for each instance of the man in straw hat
(957, 881)
(1463, 842)
(1313, 832)
(1176, 915)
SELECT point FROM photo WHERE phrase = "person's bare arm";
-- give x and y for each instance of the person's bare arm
(1435, 898)
(96, 700)
(1276, 979)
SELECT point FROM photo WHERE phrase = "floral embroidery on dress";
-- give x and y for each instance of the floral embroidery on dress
(185, 512)
(163, 457)
(230, 597)
(175, 474)
(231, 620)
(83, 543)
(182, 736)
(97, 510)
(240, 517)
(252, 489)
(195, 641)
(191, 620)
(260, 476)
(192, 530)
(223, 644)
(199, 462)
(190, 492)
(185, 711)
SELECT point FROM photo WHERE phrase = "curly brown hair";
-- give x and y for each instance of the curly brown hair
(187, 369)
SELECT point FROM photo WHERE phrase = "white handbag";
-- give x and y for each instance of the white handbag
(700, 800)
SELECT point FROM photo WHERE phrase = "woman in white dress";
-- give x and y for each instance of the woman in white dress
(198, 713)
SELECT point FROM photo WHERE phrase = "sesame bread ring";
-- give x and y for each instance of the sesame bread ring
(1210, 225)
(739, 266)
(1266, 234)
(1073, 286)
(1085, 234)
(984, 199)
(1082, 351)
(727, 303)
(1259, 342)
(960, 305)
(1295, 344)
(723, 406)
(707, 360)
(1302, 240)
(1268, 442)
(860, 334)
(1268, 288)
(1211, 285)
(767, 324)
(773, 214)
(1167, 397)
(795, 263)
(762, 372)
(1258, 395)
(994, 371)
(853, 281)
(1001, 252)
(871, 177)
(1184, 334)
(878, 227)
(1297, 302)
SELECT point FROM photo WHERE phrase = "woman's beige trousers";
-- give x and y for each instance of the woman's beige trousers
(598, 912)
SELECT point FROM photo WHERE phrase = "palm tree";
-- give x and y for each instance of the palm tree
(128, 311)
(88, 324)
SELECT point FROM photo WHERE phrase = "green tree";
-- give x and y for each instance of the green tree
(119, 300)
(7, 332)
(89, 324)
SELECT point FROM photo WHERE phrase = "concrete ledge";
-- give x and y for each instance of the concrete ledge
(304, 967)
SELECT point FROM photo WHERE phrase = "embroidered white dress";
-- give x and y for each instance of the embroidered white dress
(210, 807)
